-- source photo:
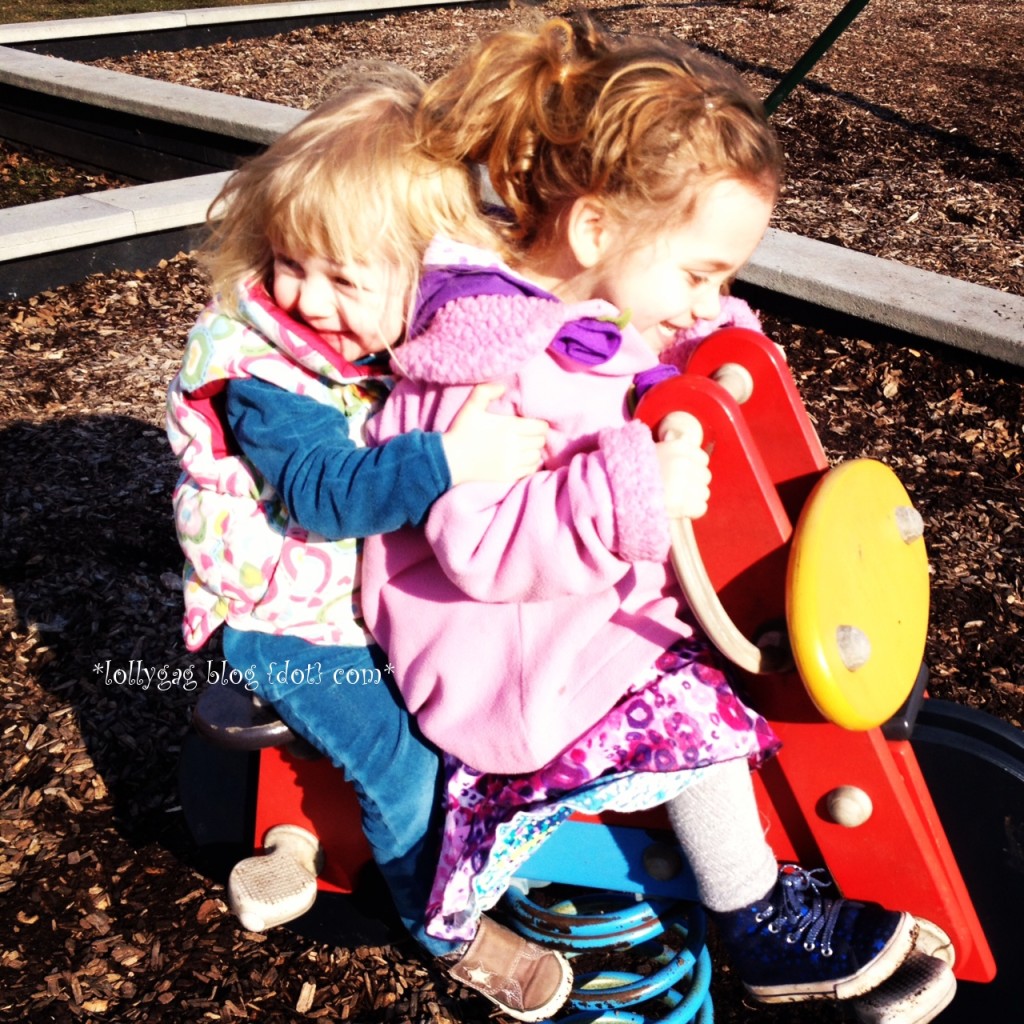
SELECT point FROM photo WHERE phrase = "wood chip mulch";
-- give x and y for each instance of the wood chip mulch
(107, 910)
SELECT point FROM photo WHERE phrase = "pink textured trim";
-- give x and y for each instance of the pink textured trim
(482, 337)
(641, 522)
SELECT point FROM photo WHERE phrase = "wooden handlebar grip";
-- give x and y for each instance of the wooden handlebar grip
(693, 577)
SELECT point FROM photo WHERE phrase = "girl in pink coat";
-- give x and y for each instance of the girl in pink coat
(536, 630)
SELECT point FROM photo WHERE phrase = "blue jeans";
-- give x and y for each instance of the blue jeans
(327, 696)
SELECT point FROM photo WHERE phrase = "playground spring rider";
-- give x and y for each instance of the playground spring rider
(902, 799)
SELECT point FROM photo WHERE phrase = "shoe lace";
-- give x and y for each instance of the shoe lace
(802, 913)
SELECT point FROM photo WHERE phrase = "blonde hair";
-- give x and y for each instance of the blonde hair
(347, 184)
(567, 110)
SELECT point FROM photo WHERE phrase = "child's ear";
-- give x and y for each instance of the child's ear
(589, 230)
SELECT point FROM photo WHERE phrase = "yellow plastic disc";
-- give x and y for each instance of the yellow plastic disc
(857, 594)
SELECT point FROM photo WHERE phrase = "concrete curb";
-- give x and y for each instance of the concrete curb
(128, 24)
(891, 294)
(92, 219)
(220, 113)
(883, 292)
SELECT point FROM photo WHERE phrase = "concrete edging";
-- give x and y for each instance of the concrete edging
(891, 294)
(94, 218)
(882, 292)
(234, 116)
(158, 21)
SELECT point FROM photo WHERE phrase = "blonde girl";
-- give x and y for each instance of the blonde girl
(314, 255)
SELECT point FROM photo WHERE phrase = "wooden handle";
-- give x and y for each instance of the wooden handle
(704, 603)
(693, 578)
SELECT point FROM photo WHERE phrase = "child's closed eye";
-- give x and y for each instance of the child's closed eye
(287, 265)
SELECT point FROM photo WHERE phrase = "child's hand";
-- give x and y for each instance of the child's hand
(489, 446)
(684, 466)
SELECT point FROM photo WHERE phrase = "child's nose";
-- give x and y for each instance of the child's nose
(315, 297)
(707, 303)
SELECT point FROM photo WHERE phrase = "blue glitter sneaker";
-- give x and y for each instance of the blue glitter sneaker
(796, 945)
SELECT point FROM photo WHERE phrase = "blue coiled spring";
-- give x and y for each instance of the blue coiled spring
(678, 989)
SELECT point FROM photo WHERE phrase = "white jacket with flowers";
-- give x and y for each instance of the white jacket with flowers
(248, 563)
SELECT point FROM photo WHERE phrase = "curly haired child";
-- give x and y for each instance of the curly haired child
(536, 628)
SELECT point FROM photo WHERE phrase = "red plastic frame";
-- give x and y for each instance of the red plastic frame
(900, 856)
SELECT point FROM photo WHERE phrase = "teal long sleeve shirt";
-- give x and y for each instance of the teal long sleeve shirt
(331, 485)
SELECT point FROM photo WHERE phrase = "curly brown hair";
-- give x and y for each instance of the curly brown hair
(568, 110)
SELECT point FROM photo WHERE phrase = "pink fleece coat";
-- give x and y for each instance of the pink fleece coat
(520, 615)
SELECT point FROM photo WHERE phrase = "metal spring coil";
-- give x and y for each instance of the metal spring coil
(678, 991)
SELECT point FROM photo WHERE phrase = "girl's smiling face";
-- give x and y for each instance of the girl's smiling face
(358, 308)
(677, 278)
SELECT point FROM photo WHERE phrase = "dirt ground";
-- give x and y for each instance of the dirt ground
(904, 144)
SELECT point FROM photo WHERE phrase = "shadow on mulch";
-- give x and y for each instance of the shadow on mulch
(80, 558)
(109, 905)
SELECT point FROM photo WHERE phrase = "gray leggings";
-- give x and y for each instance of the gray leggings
(718, 825)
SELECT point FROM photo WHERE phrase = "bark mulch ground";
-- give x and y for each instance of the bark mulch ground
(904, 144)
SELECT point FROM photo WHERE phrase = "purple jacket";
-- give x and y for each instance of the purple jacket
(520, 615)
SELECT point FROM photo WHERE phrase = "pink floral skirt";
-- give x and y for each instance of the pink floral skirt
(680, 717)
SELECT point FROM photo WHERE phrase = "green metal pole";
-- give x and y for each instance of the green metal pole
(814, 53)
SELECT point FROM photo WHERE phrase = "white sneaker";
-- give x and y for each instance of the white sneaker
(933, 941)
(278, 885)
(920, 989)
